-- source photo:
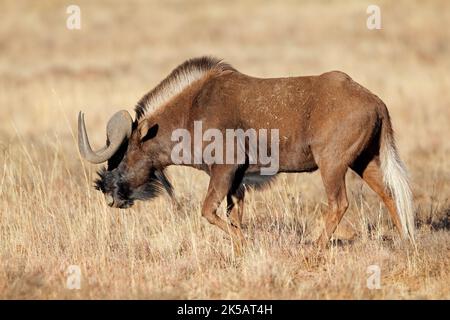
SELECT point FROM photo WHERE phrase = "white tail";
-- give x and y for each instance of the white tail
(396, 180)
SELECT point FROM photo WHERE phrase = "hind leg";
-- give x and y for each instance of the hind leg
(333, 178)
(372, 175)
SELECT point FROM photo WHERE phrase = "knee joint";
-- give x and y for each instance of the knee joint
(343, 205)
(209, 215)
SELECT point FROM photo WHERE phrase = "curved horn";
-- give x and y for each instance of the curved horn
(118, 129)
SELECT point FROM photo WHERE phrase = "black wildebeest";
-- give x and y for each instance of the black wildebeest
(326, 122)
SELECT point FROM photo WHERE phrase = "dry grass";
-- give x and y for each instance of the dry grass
(51, 217)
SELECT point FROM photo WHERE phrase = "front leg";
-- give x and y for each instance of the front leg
(235, 206)
(235, 197)
(219, 184)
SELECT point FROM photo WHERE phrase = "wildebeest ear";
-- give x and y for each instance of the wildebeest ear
(148, 131)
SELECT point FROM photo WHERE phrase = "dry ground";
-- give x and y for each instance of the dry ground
(51, 217)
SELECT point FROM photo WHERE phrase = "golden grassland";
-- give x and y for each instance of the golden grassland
(51, 217)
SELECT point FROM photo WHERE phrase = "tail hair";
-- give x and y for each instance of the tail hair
(396, 178)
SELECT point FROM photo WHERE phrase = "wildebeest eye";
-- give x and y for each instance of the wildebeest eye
(114, 161)
(151, 133)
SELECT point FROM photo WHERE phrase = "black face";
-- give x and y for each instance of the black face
(130, 175)
(119, 193)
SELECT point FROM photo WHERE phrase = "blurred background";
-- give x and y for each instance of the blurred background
(124, 48)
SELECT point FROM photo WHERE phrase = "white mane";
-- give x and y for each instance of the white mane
(177, 81)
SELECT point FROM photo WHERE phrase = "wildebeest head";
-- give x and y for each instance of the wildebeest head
(131, 173)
